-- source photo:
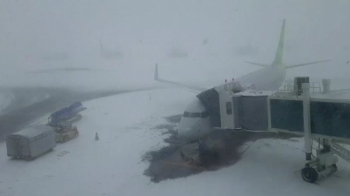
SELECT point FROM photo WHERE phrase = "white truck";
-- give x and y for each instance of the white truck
(31, 142)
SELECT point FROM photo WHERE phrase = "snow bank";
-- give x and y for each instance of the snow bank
(113, 166)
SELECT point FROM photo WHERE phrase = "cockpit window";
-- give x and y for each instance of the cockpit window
(195, 115)
(186, 114)
(204, 114)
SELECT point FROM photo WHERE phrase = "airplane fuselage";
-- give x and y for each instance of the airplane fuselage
(266, 79)
(194, 125)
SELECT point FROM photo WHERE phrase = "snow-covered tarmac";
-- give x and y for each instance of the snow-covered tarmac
(113, 165)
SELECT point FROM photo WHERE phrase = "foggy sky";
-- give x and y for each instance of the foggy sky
(145, 32)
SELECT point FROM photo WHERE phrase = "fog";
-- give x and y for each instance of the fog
(43, 35)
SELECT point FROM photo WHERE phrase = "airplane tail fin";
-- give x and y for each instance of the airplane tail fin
(278, 61)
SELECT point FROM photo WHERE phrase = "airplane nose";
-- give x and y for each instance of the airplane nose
(186, 128)
(183, 132)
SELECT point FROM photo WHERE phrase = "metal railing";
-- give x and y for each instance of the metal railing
(336, 149)
(289, 89)
(233, 87)
(340, 151)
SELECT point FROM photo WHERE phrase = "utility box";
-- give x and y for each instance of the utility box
(298, 81)
(31, 142)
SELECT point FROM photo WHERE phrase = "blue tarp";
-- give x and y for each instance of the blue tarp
(76, 107)
(67, 112)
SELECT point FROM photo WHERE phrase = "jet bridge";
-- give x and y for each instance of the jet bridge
(328, 117)
(245, 110)
(210, 100)
(320, 117)
(214, 101)
(317, 116)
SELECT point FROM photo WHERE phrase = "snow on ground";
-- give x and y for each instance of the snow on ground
(112, 166)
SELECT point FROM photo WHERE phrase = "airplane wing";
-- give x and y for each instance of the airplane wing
(192, 88)
(289, 66)
(303, 64)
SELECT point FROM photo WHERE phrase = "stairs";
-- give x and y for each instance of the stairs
(337, 149)
(340, 151)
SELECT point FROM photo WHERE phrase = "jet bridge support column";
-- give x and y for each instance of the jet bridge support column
(308, 173)
(324, 163)
(307, 124)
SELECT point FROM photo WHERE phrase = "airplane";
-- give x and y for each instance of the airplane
(196, 120)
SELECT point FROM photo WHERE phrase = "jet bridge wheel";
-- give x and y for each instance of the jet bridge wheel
(309, 174)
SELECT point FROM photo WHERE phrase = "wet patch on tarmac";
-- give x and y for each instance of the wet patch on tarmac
(167, 163)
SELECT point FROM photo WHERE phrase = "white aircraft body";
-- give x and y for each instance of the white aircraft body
(196, 123)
